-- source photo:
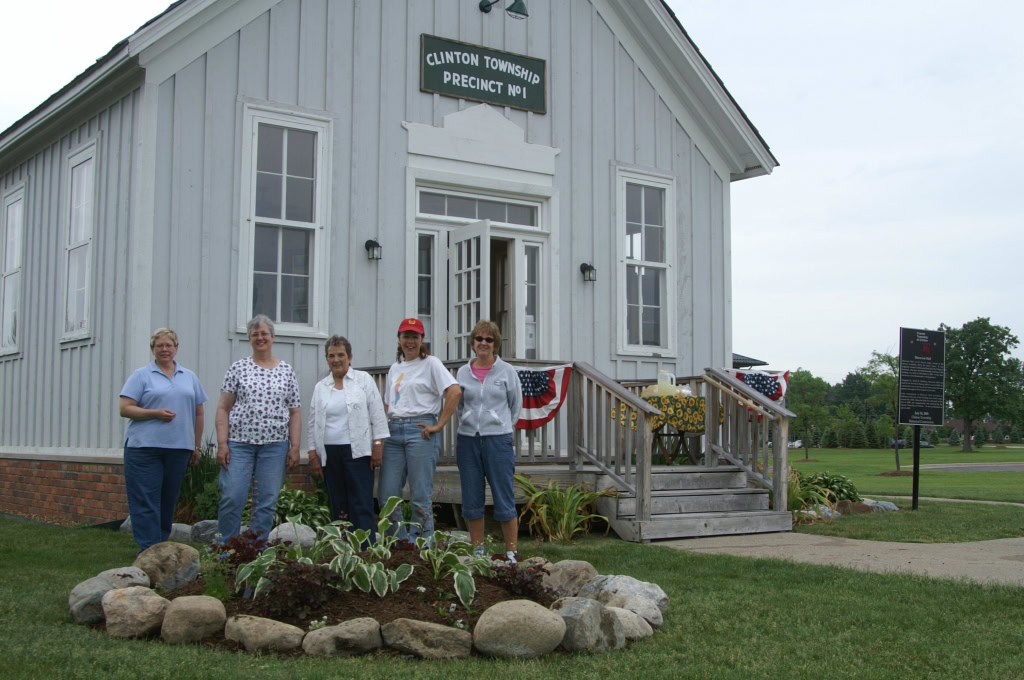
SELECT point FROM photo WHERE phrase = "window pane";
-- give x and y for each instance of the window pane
(270, 148)
(651, 326)
(532, 255)
(294, 299)
(491, 210)
(9, 325)
(423, 296)
(301, 153)
(632, 285)
(264, 295)
(81, 202)
(654, 244)
(522, 214)
(633, 203)
(531, 301)
(634, 241)
(632, 324)
(651, 282)
(268, 195)
(432, 204)
(12, 251)
(295, 251)
(75, 313)
(459, 206)
(300, 200)
(654, 201)
(265, 250)
(426, 249)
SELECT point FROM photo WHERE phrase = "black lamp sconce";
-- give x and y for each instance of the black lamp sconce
(372, 249)
(516, 10)
(589, 271)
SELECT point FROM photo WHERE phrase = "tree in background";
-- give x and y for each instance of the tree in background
(980, 436)
(933, 438)
(829, 439)
(981, 376)
(806, 397)
(954, 437)
(883, 370)
(870, 435)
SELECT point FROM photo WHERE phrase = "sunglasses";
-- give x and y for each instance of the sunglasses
(480, 338)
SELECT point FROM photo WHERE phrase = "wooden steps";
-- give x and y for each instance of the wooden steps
(694, 501)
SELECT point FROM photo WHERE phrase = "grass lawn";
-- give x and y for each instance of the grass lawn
(864, 468)
(932, 522)
(728, 617)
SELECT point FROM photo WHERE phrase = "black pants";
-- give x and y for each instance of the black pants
(349, 483)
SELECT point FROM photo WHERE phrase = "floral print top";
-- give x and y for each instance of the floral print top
(262, 399)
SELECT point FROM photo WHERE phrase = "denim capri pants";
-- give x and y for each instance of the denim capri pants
(492, 457)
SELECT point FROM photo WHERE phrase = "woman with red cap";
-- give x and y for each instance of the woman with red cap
(420, 398)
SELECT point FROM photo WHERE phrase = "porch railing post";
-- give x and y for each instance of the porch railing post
(780, 469)
(575, 424)
(643, 473)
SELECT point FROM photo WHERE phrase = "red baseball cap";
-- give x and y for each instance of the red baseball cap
(411, 324)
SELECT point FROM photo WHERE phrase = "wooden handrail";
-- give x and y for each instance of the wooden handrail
(760, 401)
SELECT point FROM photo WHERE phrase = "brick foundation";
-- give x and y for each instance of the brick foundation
(85, 493)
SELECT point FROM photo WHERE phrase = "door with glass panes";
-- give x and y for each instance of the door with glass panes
(471, 269)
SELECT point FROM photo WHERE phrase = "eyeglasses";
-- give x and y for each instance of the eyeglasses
(480, 338)
(163, 346)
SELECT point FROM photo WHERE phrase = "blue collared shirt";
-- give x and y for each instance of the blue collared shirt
(151, 389)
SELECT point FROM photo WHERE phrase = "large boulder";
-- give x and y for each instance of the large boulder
(180, 533)
(169, 565)
(589, 626)
(257, 633)
(518, 628)
(296, 534)
(427, 640)
(191, 618)
(646, 599)
(565, 578)
(125, 577)
(204, 531)
(634, 626)
(133, 612)
(349, 638)
(86, 600)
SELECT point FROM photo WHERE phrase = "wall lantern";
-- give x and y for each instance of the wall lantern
(589, 271)
(372, 250)
(517, 10)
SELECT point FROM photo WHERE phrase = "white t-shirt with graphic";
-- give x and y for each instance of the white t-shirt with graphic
(416, 388)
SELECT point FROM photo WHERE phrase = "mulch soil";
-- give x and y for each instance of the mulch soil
(434, 605)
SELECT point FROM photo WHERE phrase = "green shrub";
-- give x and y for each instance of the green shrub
(556, 514)
(840, 485)
(803, 494)
(207, 503)
(304, 506)
(954, 437)
(829, 439)
(197, 477)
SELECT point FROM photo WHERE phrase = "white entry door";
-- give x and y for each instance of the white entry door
(469, 291)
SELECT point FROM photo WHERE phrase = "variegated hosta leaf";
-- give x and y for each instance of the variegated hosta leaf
(361, 577)
(261, 585)
(331, 530)
(383, 526)
(380, 582)
(389, 506)
(465, 587)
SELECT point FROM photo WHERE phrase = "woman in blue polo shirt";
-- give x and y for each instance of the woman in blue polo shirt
(164, 405)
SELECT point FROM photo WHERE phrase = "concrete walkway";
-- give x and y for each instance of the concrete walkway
(998, 561)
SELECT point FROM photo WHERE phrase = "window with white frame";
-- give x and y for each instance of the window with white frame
(81, 218)
(469, 207)
(646, 228)
(285, 222)
(12, 229)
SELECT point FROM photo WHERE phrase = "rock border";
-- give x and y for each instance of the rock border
(591, 613)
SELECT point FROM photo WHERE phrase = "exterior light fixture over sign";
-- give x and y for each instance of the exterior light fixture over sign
(516, 10)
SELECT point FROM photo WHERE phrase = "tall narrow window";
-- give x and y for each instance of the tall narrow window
(425, 283)
(647, 237)
(81, 217)
(12, 229)
(285, 227)
(532, 313)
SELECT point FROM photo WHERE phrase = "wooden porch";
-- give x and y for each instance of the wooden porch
(604, 436)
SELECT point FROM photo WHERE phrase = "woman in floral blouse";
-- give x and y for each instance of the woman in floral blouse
(258, 432)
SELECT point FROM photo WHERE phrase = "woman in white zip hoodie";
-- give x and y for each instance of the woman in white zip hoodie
(347, 426)
(492, 398)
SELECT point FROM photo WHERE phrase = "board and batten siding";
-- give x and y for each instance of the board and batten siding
(63, 395)
(359, 65)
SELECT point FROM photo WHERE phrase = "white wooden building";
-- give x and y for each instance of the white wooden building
(233, 157)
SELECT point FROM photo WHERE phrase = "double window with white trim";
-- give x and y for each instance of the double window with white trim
(646, 227)
(12, 235)
(285, 224)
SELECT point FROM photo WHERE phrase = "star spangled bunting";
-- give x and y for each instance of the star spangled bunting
(772, 384)
(544, 391)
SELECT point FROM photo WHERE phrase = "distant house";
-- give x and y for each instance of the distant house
(230, 158)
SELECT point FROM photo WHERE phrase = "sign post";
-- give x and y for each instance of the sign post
(922, 393)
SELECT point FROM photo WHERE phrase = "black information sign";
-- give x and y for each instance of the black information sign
(922, 377)
(466, 71)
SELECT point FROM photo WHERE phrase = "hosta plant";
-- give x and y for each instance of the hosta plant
(839, 485)
(443, 555)
(801, 495)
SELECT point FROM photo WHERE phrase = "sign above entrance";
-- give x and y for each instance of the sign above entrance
(922, 377)
(458, 69)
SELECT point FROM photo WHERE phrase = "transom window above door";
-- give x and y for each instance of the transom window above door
(466, 206)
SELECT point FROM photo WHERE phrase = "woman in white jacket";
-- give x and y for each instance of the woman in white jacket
(347, 426)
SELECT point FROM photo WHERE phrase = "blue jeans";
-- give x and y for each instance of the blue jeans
(407, 455)
(349, 483)
(492, 457)
(152, 479)
(263, 465)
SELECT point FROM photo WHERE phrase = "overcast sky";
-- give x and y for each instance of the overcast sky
(900, 196)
